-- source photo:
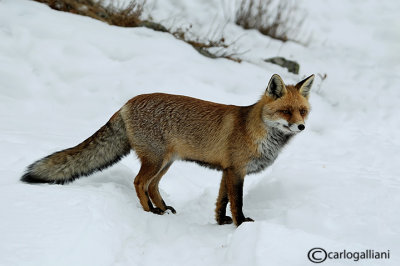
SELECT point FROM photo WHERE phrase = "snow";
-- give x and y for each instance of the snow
(335, 186)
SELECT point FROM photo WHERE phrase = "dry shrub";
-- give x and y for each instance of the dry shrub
(277, 19)
(127, 16)
(213, 46)
(130, 16)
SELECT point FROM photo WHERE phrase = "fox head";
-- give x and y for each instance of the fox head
(287, 107)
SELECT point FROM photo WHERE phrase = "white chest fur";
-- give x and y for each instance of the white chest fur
(269, 149)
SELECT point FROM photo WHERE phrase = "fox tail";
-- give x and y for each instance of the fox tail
(104, 148)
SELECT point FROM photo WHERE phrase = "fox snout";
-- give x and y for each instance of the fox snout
(296, 127)
(285, 126)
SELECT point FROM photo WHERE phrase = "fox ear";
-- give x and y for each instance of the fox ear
(276, 88)
(304, 86)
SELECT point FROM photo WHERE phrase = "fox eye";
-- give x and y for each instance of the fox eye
(303, 112)
(286, 112)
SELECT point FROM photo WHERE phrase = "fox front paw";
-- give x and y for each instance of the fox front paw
(245, 219)
(224, 220)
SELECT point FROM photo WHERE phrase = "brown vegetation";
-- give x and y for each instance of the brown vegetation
(131, 16)
(271, 18)
(128, 16)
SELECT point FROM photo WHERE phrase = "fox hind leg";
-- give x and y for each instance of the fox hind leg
(154, 192)
(148, 171)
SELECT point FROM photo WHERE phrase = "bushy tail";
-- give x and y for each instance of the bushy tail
(104, 148)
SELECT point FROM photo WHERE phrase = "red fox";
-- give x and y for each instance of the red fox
(162, 128)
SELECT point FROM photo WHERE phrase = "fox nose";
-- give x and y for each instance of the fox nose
(301, 127)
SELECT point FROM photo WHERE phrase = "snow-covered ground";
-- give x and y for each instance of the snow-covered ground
(336, 186)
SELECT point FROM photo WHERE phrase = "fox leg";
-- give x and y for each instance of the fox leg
(222, 202)
(234, 185)
(147, 171)
(154, 193)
